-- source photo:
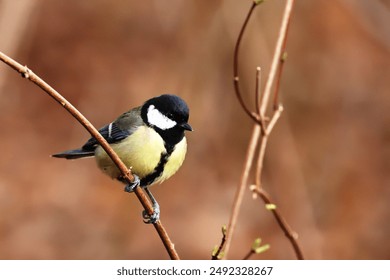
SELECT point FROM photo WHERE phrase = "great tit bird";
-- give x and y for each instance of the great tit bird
(148, 139)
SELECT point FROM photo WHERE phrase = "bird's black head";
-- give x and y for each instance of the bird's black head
(168, 114)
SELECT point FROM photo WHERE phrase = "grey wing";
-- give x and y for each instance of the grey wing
(118, 130)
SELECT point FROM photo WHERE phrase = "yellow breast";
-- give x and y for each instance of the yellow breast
(174, 161)
(142, 152)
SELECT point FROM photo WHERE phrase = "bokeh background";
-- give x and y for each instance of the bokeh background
(327, 164)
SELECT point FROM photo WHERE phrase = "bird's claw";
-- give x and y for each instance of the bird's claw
(148, 218)
(130, 187)
(154, 217)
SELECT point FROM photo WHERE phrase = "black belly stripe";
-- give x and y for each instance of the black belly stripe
(157, 172)
(159, 169)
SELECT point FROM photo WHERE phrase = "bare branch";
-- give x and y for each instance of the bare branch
(263, 144)
(236, 79)
(217, 253)
(126, 173)
(258, 92)
(256, 132)
(279, 50)
(279, 75)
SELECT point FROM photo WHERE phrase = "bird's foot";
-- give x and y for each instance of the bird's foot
(148, 218)
(154, 217)
(130, 187)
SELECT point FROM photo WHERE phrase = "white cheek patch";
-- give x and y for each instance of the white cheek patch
(157, 119)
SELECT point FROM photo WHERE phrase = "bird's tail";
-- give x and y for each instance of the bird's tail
(74, 154)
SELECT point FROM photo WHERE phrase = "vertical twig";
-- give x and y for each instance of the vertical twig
(256, 132)
(277, 83)
(258, 92)
(279, 49)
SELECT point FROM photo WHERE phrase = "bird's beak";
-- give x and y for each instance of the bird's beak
(186, 126)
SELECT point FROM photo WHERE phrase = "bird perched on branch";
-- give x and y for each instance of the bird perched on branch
(148, 139)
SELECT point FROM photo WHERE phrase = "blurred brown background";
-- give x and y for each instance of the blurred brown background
(327, 163)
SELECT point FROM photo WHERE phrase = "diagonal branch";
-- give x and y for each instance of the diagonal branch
(127, 175)
(291, 235)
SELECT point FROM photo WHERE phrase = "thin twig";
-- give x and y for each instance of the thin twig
(256, 248)
(260, 159)
(248, 255)
(217, 254)
(278, 79)
(263, 144)
(236, 78)
(290, 234)
(256, 132)
(126, 173)
(279, 49)
(283, 53)
(275, 117)
(258, 91)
